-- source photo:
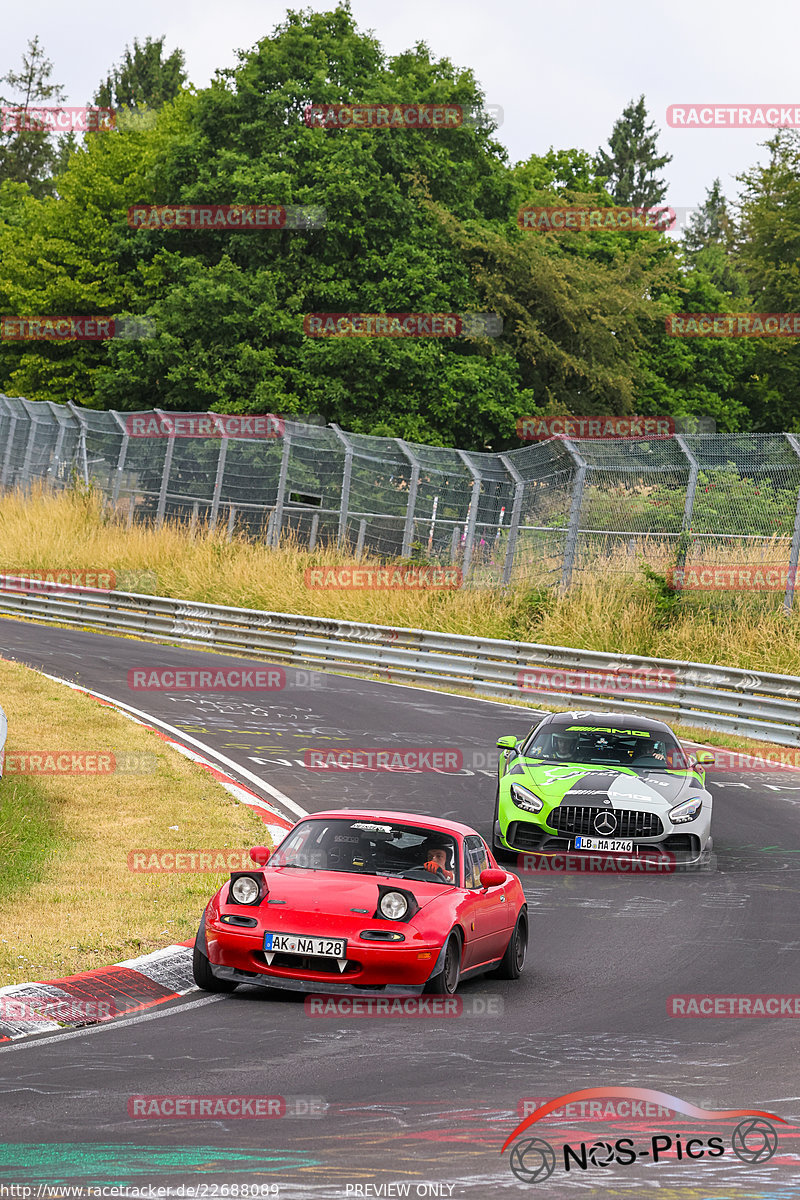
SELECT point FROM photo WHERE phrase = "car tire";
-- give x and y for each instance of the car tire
(513, 960)
(446, 982)
(204, 975)
(501, 852)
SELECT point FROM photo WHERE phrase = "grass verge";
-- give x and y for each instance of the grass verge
(68, 901)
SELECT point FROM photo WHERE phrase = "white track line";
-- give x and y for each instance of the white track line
(180, 736)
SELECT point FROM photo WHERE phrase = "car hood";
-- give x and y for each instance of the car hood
(337, 893)
(578, 784)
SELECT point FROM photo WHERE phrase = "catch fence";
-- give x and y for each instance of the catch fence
(547, 512)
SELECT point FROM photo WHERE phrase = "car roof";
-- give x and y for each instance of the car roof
(384, 814)
(607, 720)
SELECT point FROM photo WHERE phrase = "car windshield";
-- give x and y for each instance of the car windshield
(366, 847)
(637, 749)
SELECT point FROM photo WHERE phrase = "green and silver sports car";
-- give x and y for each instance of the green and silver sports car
(587, 781)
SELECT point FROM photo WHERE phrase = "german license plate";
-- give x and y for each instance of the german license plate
(296, 943)
(612, 845)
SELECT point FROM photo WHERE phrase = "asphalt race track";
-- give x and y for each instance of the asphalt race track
(429, 1102)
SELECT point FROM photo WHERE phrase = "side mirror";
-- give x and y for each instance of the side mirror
(491, 877)
(507, 743)
(260, 854)
(704, 758)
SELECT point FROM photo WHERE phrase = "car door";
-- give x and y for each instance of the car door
(487, 913)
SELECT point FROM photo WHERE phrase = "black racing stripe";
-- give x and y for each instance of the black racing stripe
(591, 789)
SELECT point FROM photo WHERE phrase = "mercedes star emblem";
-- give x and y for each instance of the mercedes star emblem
(605, 823)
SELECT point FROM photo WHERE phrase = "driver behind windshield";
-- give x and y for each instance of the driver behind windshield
(564, 746)
(435, 860)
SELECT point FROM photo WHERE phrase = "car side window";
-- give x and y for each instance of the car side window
(475, 861)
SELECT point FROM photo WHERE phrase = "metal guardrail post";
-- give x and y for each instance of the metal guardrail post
(688, 507)
(794, 553)
(13, 417)
(571, 543)
(123, 454)
(279, 502)
(516, 512)
(472, 515)
(218, 478)
(413, 484)
(82, 422)
(168, 453)
(348, 471)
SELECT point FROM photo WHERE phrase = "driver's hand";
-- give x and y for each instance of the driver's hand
(435, 867)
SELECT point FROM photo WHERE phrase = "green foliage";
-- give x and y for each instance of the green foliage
(416, 222)
(631, 167)
(33, 156)
(665, 597)
(144, 79)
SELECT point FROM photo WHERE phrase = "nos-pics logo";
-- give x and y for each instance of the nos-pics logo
(754, 1139)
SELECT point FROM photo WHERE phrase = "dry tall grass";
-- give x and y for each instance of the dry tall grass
(68, 901)
(612, 606)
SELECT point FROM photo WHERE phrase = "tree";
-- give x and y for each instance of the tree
(630, 169)
(33, 155)
(144, 78)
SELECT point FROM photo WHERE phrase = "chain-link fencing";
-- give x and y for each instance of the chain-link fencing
(548, 512)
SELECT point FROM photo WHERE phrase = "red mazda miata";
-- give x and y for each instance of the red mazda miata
(363, 901)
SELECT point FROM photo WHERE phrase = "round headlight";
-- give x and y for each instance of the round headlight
(245, 889)
(393, 905)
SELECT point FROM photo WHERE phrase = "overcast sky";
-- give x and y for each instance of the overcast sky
(562, 72)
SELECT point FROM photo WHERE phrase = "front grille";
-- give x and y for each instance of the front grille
(577, 819)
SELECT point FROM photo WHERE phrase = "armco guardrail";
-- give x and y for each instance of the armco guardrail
(766, 706)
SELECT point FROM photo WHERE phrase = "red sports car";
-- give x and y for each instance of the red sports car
(361, 901)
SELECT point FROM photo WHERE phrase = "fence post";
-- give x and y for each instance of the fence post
(13, 417)
(574, 515)
(279, 502)
(688, 507)
(362, 530)
(348, 471)
(472, 515)
(516, 512)
(413, 484)
(28, 460)
(162, 495)
(123, 454)
(223, 454)
(794, 553)
(82, 422)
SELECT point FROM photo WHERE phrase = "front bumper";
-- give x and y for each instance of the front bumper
(237, 954)
(685, 845)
